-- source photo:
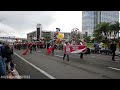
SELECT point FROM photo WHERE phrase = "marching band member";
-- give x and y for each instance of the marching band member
(66, 50)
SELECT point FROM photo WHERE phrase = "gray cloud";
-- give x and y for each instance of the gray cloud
(22, 20)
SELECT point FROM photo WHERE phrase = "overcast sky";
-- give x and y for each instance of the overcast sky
(19, 23)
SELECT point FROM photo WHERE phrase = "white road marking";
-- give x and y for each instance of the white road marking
(114, 68)
(43, 72)
(58, 56)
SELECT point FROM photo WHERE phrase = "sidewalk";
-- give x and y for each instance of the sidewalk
(13, 75)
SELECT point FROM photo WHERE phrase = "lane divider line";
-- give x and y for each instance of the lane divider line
(114, 68)
(58, 56)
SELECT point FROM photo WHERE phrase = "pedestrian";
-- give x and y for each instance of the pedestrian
(100, 45)
(2, 62)
(66, 50)
(97, 48)
(8, 55)
(113, 48)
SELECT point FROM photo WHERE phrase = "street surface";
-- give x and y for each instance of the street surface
(38, 65)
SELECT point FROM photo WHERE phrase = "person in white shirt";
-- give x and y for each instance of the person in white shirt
(100, 45)
(65, 51)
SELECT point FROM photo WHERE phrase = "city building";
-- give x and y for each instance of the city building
(91, 18)
(47, 34)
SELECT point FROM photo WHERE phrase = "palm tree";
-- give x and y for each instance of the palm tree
(102, 30)
(115, 27)
(105, 28)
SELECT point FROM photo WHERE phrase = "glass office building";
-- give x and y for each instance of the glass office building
(91, 18)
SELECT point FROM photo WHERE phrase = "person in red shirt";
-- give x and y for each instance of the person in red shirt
(34, 46)
(30, 47)
(66, 50)
(53, 48)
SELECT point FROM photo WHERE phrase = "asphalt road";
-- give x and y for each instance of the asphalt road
(26, 71)
(41, 66)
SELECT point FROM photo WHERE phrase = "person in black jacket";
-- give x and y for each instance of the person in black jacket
(8, 55)
(48, 45)
(113, 48)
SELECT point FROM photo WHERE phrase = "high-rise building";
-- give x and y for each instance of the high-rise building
(38, 33)
(91, 18)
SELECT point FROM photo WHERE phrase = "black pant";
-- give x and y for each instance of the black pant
(30, 51)
(65, 56)
(34, 48)
(113, 55)
(53, 51)
(81, 55)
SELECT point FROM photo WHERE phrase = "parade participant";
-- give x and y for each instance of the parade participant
(30, 47)
(24, 45)
(48, 45)
(34, 46)
(19, 46)
(53, 48)
(16, 46)
(81, 54)
(49, 48)
(66, 50)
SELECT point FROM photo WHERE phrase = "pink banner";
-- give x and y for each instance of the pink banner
(75, 49)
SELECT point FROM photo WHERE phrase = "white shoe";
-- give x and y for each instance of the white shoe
(13, 71)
